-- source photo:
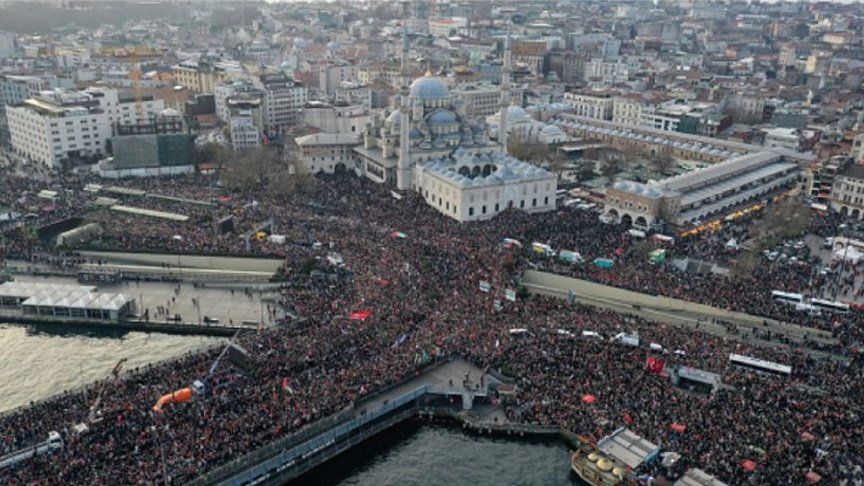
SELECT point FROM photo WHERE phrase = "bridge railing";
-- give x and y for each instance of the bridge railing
(282, 454)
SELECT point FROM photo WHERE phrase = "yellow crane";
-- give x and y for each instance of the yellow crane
(136, 86)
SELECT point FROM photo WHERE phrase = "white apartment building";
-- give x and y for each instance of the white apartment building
(284, 100)
(858, 147)
(328, 152)
(628, 110)
(13, 91)
(244, 133)
(120, 107)
(607, 72)
(847, 193)
(482, 100)
(599, 106)
(54, 126)
(785, 138)
(222, 92)
(338, 118)
(445, 26)
(331, 77)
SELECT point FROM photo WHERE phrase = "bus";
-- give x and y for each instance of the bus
(829, 306)
(760, 366)
(787, 297)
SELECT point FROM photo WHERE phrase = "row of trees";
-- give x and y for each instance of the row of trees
(263, 169)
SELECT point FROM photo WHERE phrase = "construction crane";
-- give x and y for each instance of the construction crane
(136, 86)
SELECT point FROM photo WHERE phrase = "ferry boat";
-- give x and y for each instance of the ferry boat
(612, 460)
(597, 470)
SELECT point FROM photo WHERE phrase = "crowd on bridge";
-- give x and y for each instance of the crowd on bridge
(412, 297)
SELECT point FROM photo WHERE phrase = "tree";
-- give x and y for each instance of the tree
(212, 154)
(522, 149)
(784, 219)
(663, 162)
(610, 170)
(744, 265)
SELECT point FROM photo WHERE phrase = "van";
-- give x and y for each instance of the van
(592, 334)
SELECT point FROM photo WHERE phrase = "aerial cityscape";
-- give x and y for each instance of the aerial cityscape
(432, 242)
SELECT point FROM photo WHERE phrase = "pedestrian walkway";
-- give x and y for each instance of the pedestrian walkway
(665, 309)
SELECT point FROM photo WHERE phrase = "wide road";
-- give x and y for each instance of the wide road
(664, 309)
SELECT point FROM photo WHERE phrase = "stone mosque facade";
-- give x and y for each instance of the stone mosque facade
(428, 145)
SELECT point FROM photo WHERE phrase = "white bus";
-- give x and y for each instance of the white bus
(760, 366)
(829, 306)
(787, 297)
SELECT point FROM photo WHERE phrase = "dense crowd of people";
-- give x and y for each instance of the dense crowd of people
(418, 274)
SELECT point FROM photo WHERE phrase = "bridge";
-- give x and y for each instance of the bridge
(290, 457)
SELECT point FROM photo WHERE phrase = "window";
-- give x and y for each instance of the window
(522, 204)
(496, 207)
(534, 202)
(484, 209)
(470, 211)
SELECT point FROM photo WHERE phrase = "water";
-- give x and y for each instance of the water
(422, 455)
(37, 363)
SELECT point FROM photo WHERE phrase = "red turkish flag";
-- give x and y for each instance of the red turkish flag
(654, 365)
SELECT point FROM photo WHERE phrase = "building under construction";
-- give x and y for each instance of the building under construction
(159, 146)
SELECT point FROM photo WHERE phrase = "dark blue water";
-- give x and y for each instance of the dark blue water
(415, 454)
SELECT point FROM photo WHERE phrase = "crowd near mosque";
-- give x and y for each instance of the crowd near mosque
(416, 274)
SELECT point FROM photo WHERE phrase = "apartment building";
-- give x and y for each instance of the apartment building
(283, 101)
(13, 91)
(55, 126)
(596, 105)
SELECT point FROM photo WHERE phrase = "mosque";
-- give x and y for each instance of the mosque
(429, 145)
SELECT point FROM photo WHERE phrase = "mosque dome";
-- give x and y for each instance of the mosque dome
(334, 46)
(429, 88)
(285, 65)
(441, 117)
(516, 113)
(551, 130)
(394, 118)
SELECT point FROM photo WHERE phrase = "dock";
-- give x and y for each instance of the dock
(188, 309)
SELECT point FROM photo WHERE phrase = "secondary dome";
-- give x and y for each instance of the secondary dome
(516, 113)
(441, 117)
(429, 88)
(395, 117)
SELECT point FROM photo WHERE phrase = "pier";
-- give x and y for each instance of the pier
(188, 309)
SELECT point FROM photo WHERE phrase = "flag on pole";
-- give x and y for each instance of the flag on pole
(398, 234)
(286, 386)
